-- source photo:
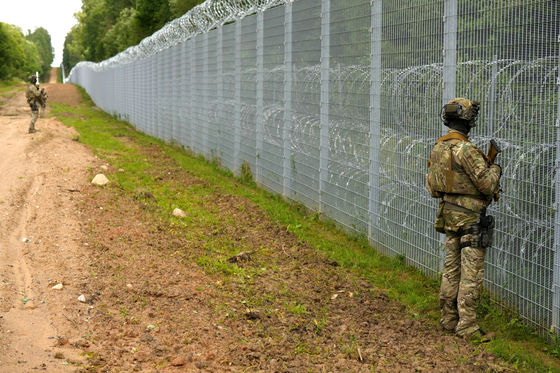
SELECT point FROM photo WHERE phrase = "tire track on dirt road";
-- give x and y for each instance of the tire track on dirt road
(29, 328)
(27, 333)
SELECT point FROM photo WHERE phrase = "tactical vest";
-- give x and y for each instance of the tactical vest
(441, 176)
(446, 178)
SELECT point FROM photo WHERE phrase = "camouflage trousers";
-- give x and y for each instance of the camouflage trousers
(34, 116)
(460, 285)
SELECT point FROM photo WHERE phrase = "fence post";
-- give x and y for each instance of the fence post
(237, 114)
(375, 116)
(205, 117)
(186, 103)
(449, 70)
(288, 79)
(449, 50)
(176, 82)
(194, 86)
(492, 103)
(260, 96)
(556, 270)
(154, 92)
(220, 88)
(63, 73)
(161, 115)
(325, 100)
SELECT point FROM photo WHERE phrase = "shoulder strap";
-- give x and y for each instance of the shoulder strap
(454, 135)
(449, 136)
(449, 174)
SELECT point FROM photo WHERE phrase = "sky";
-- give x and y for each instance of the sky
(57, 17)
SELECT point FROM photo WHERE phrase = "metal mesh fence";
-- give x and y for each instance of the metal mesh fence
(335, 104)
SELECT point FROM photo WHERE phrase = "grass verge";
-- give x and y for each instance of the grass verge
(108, 136)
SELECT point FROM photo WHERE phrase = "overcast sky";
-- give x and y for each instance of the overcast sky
(57, 17)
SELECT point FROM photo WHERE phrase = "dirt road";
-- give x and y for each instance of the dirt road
(41, 245)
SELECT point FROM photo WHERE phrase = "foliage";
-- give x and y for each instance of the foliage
(106, 28)
(413, 31)
(122, 34)
(179, 7)
(92, 26)
(42, 40)
(151, 15)
(18, 57)
(71, 53)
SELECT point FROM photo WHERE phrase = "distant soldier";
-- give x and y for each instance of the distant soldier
(34, 99)
(466, 181)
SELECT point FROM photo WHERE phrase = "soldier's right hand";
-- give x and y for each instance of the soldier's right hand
(499, 167)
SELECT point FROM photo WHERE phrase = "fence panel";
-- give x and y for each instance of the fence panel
(336, 104)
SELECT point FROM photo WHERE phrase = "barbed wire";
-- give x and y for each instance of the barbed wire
(198, 20)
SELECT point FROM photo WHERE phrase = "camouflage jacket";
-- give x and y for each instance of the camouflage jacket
(474, 181)
(32, 93)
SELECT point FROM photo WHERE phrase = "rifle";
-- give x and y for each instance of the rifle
(493, 151)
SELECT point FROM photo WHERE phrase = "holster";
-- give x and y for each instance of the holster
(482, 233)
(486, 224)
(33, 105)
(439, 225)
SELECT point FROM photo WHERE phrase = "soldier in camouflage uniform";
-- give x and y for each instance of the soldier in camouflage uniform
(460, 174)
(34, 99)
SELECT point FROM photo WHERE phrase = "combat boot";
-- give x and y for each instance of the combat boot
(479, 336)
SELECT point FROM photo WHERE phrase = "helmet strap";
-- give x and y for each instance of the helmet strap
(460, 125)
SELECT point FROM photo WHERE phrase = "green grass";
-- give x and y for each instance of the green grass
(8, 85)
(514, 342)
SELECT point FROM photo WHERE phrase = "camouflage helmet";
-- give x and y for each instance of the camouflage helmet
(460, 108)
(32, 78)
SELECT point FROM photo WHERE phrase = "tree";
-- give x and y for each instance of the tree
(42, 40)
(120, 36)
(71, 53)
(179, 7)
(151, 15)
(107, 27)
(91, 28)
(18, 56)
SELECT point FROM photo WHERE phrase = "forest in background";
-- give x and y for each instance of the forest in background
(107, 27)
(22, 55)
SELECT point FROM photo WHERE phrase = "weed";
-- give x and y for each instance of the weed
(296, 308)
(246, 177)
(305, 348)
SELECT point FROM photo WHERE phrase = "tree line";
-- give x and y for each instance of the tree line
(108, 27)
(22, 55)
(412, 33)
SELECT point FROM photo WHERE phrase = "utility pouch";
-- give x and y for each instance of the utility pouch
(439, 225)
(486, 224)
(33, 105)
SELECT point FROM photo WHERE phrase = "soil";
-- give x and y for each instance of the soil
(147, 306)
